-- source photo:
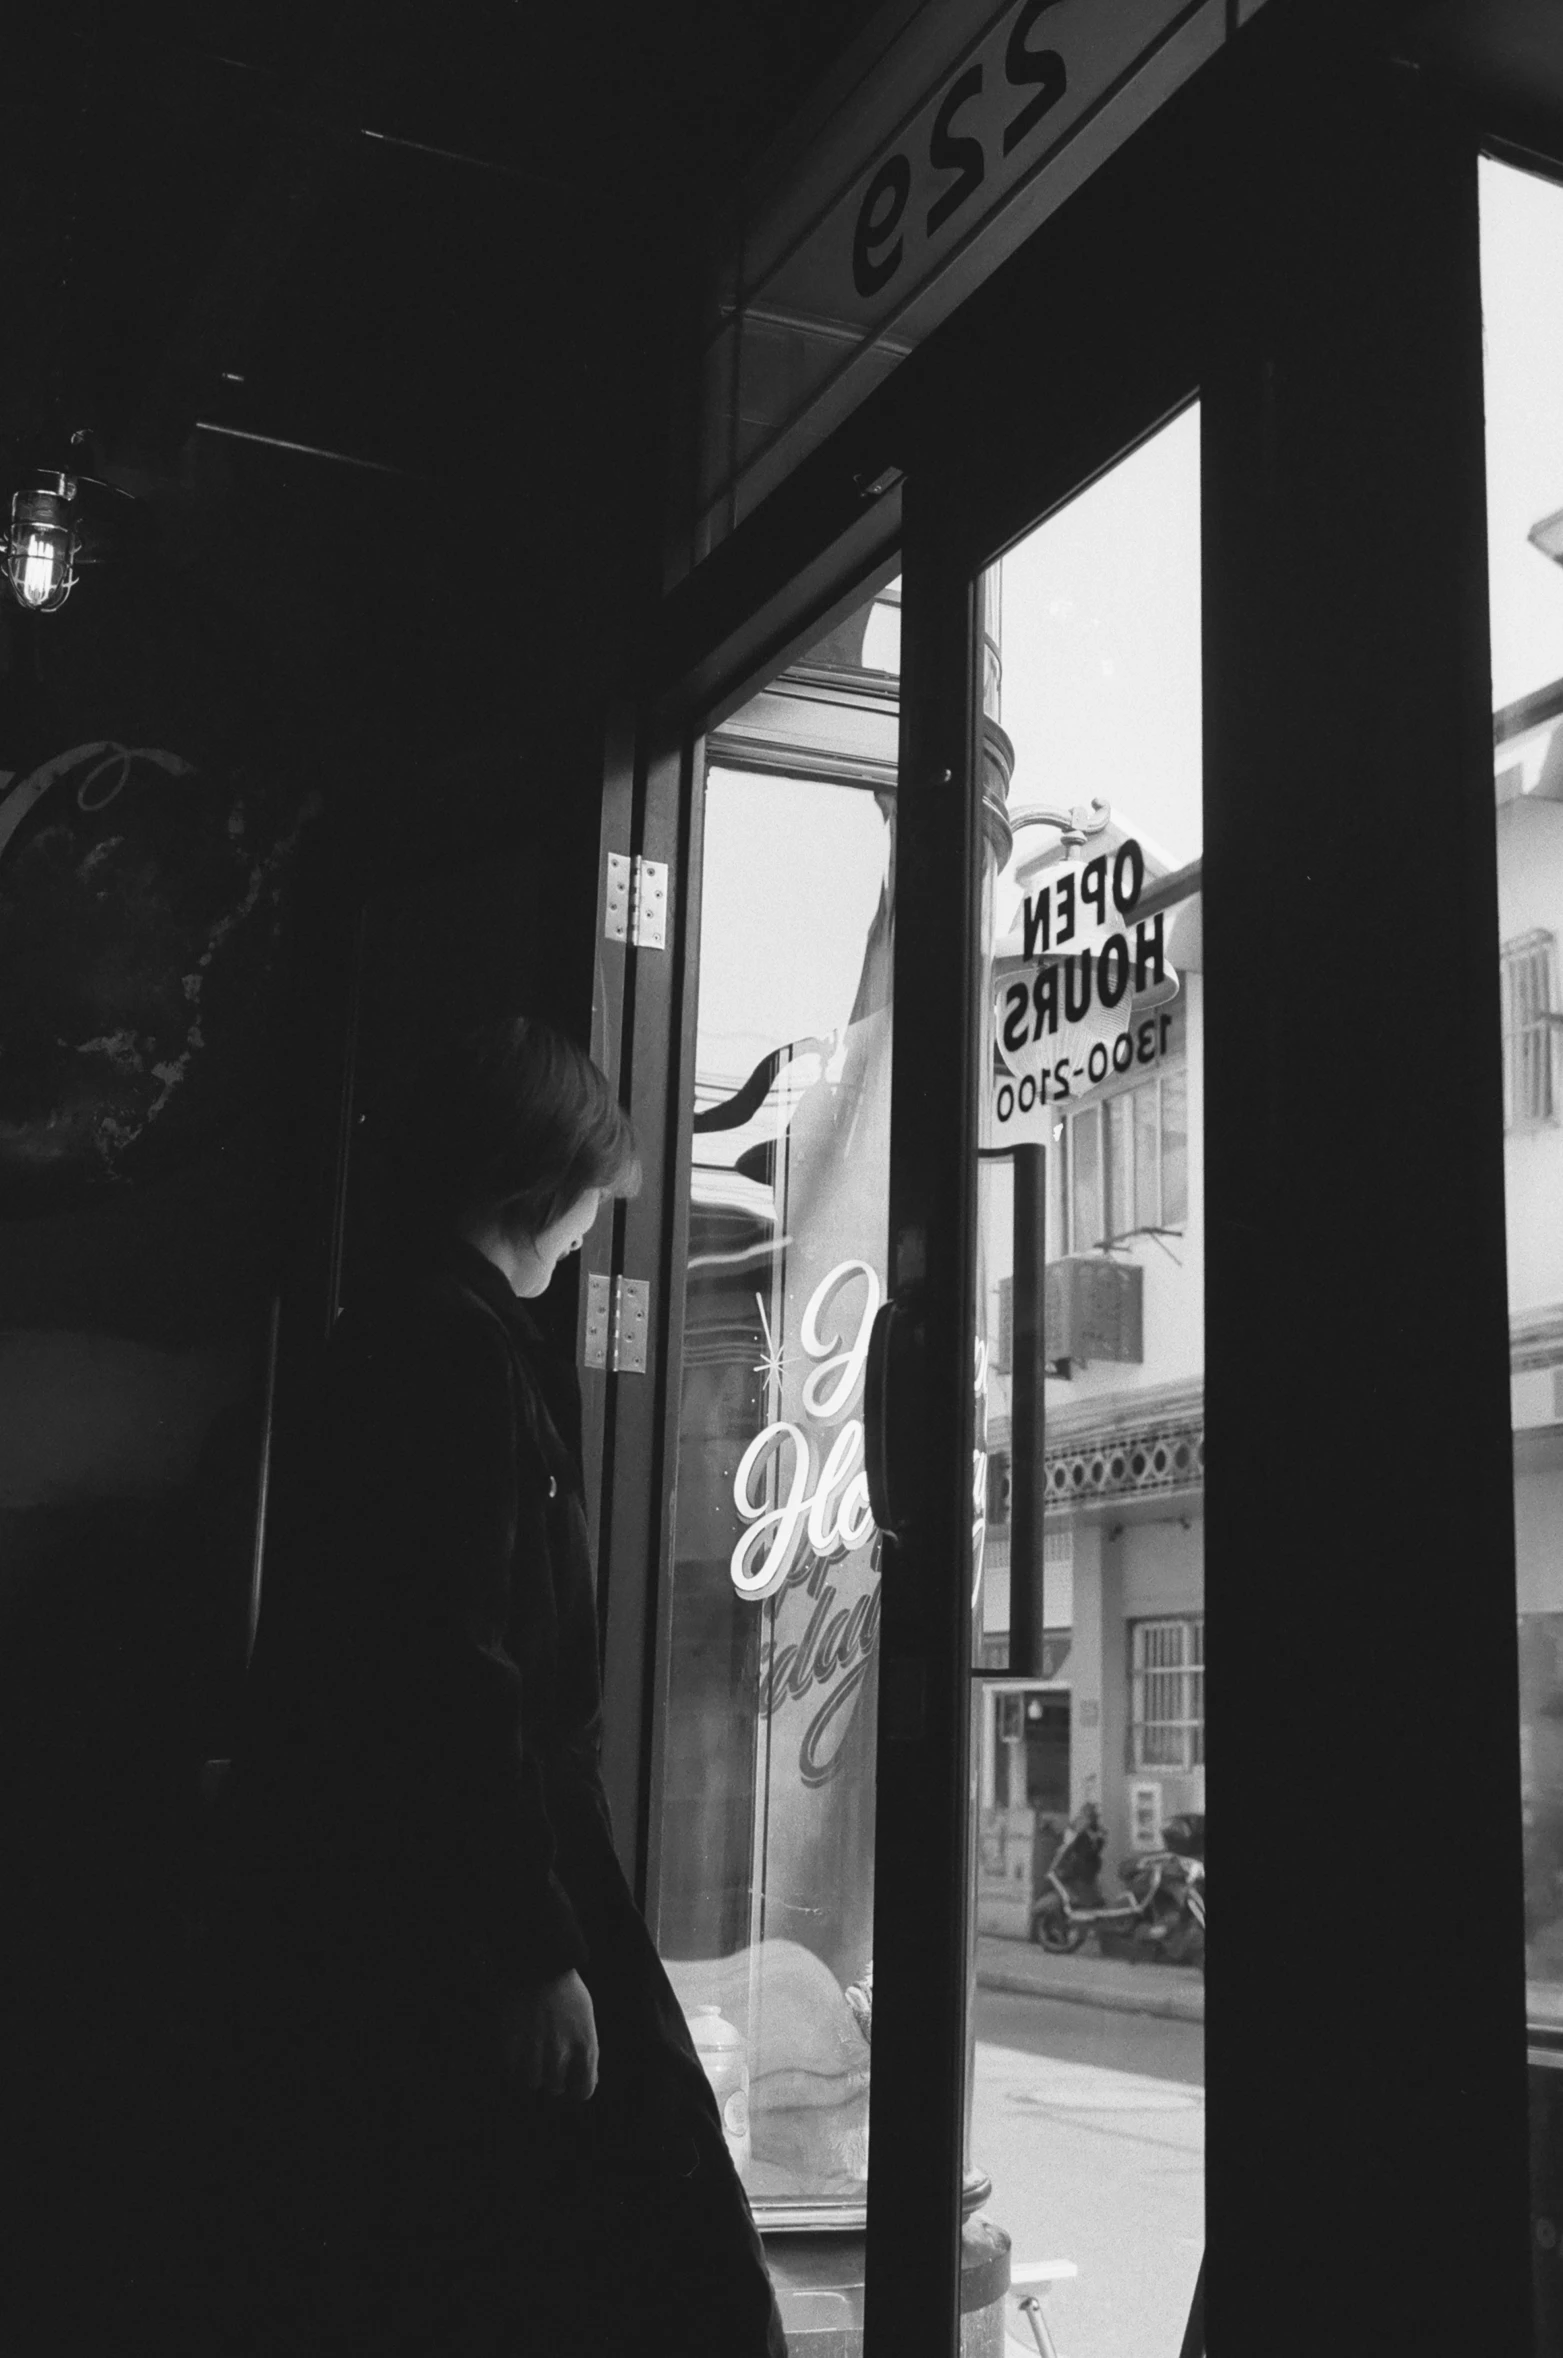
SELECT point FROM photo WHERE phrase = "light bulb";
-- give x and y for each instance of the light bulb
(41, 553)
(41, 570)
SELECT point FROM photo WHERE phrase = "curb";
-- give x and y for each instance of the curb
(1170, 2005)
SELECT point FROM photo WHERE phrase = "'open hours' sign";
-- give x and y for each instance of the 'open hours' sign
(1025, 1108)
(1082, 991)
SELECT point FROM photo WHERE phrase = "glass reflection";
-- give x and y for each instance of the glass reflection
(763, 1866)
(1087, 2103)
(1522, 257)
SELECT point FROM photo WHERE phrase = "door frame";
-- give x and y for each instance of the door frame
(1293, 240)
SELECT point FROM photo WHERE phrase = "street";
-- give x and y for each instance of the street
(1091, 2125)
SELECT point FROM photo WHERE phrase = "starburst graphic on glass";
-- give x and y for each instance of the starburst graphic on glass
(772, 1365)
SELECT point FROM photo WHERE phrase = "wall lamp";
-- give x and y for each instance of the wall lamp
(51, 538)
(43, 543)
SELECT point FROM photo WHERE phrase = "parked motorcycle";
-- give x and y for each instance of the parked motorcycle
(1166, 1892)
(1162, 1914)
(1071, 1896)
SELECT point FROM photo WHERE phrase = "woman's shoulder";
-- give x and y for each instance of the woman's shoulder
(443, 1333)
(428, 1330)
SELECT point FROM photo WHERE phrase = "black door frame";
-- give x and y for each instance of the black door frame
(1294, 240)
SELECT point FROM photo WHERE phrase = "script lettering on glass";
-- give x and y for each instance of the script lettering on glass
(802, 1496)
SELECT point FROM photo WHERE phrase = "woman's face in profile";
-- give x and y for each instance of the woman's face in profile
(532, 1260)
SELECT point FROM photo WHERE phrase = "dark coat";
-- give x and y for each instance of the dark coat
(415, 1824)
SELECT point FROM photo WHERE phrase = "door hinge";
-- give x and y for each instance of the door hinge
(594, 1348)
(631, 1318)
(618, 1316)
(635, 904)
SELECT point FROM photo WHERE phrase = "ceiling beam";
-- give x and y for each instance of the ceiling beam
(313, 154)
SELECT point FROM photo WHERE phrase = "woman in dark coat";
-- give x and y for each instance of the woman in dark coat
(466, 2114)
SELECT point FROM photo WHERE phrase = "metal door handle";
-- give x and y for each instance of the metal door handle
(894, 1399)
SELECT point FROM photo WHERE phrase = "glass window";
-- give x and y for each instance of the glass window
(1174, 1150)
(762, 1874)
(1522, 272)
(1132, 1152)
(1530, 1027)
(1094, 2139)
(1167, 1726)
(1085, 1158)
(1122, 1193)
(1057, 1215)
(1141, 1104)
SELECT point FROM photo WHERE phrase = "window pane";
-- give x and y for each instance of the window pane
(1529, 1032)
(1058, 1241)
(1120, 1113)
(762, 1898)
(1100, 689)
(1522, 271)
(1085, 1156)
(1169, 1694)
(1174, 1150)
(1147, 1192)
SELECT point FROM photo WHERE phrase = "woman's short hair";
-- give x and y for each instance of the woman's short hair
(510, 1122)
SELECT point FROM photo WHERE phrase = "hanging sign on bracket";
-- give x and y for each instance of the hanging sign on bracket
(1082, 991)
(1025, 1109)
(1078, 906)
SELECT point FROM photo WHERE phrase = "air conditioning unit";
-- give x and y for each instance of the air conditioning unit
(1093, 1308)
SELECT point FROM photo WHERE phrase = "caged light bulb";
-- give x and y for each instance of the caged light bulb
(41, 551)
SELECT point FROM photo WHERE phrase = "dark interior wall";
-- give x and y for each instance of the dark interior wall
(308, 711)
(213, 741)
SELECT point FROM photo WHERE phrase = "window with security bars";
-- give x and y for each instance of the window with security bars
(1530, 1025)
(1167, 1716)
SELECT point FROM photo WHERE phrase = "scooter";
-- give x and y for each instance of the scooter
(1071, 1896)
(1167, 1894)
(1161, 1915)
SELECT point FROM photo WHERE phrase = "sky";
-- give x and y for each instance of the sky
(1100, 641)
(1522, 332)
(793, 870)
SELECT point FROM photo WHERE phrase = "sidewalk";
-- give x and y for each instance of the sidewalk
(1176, 1991)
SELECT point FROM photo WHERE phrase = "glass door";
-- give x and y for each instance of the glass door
(1035, 1433)
(991, 1277)
(1088, 1710)
(762, 1804)
(924, 1817)
(1522, 251)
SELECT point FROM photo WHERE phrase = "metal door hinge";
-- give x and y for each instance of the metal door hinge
(635, 907)
(594, 1350)
(618, 1317)
(631, 1318)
